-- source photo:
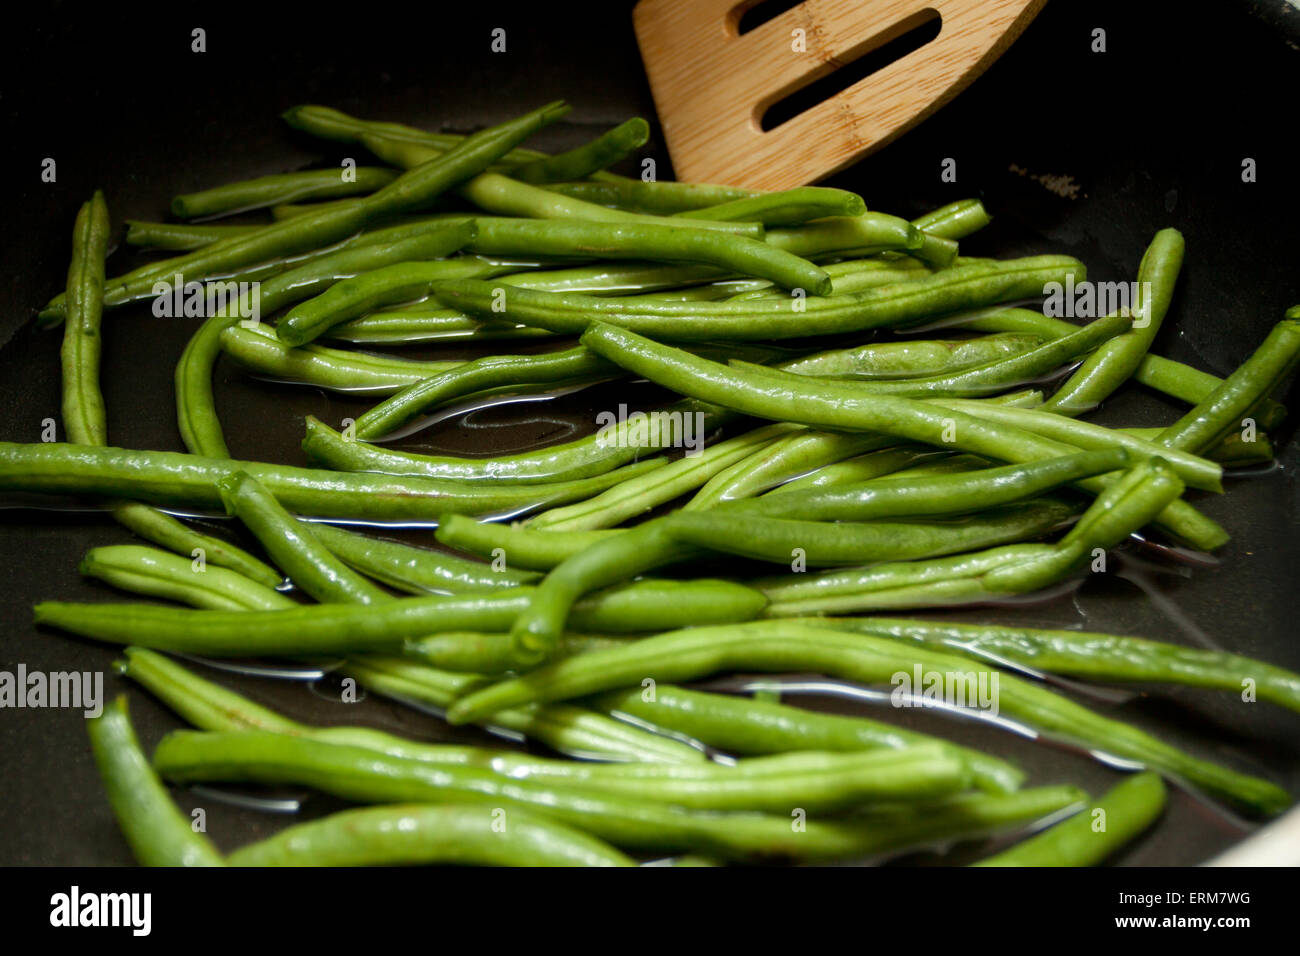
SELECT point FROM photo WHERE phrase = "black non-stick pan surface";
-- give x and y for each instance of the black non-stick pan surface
(1152, 132)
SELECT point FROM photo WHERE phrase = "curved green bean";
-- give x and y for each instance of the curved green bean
(491, 371)
(353, 297)
(921, 358)
(283, 187)
(790, 207)
(293, 546)
(605, 150)
(414, 833)
(1094, 833)
(159, 834)
(84, 419)
(259, 350)
(179, 237)
(658, 198)
(522, 546)
(954, 221)
(415, 570)
(142, 570)
(507, 196)
(1112, 364)
(1095, 656)
(1224, 408)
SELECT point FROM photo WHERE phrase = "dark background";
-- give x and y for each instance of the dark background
(1153, 131)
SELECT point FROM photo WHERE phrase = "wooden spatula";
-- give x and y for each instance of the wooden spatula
(712, 85)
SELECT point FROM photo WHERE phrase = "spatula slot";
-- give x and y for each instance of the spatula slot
(872, 55)
(752, 14)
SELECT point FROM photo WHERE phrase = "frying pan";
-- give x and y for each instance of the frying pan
(1073, 151)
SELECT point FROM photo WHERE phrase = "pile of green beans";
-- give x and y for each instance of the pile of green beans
(884, 473)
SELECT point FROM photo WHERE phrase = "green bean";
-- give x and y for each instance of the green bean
(353, 297)
(1233, 450)
(204, 704)
(413, 833)
(659, 198)
(796, 454)
(823, 543)
(488, 372)
(149, 571)
(477, 652)
(1093, 834)
(159, 834)
(1224, 408)
(325, 446)
(332, 124)
(637, 240)
(953, 290)
(862, 468)
(1112, 364)
(893, 360)
(181, 237)
(844, 236)
(604, 151)
(954, 221)
(358, 774)
(1095, 656)
(258, 350)
(195, 406)
(853, 275)
(293, 546)
(411, 190)
(745, 725)
(327, 629)
(284, 187)
(1196, 471)
(935, 582)
(168, 478)
(945, 494)
(782, 646)
(632, 498)
(566, 729)
(788, 208)
(506, 196)
(415, 570)
(418, 324)
(1000, 373)
(163, 529)
(523, 547)
(83, 405)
